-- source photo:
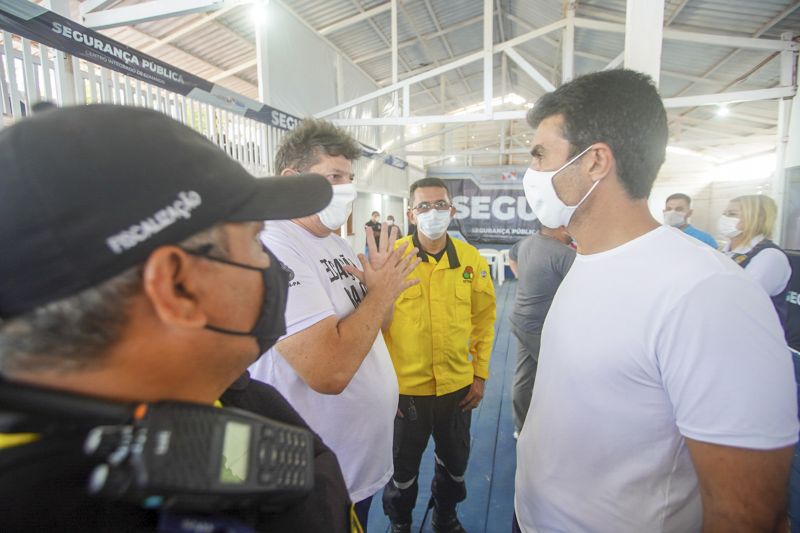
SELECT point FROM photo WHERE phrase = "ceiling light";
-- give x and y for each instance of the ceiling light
(259, 11)
(723, 111)
(452, 159)
(513, 98)
(414, 130)
(510, 98)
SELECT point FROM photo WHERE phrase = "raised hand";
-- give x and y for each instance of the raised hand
(389, 279)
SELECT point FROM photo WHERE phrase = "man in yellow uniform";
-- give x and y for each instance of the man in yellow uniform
(440, 341)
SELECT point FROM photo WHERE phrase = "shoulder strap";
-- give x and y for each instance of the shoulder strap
(744, 259)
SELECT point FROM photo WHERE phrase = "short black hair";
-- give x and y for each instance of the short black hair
(302, 147)
(679, 196)
(43, 105)
(376, 213)
(621, 108)
(428, 182)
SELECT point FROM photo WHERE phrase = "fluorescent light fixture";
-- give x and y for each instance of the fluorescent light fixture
(678, 150)
(510, 98)
(513, 98)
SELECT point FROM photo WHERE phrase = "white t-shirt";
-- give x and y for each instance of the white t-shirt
(658, 339)
(770, 267)
(357, 424)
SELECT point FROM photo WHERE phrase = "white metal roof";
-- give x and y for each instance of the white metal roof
(431, 33)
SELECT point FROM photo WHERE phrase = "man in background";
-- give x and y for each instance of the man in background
(677, 211)
(440, 339)
(390, 223)
(540, 262)
(332, 364)
(373, 225)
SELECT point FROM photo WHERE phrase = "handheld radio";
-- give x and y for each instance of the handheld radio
(184, 456)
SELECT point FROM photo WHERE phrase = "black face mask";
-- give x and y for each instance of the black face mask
(271, 323)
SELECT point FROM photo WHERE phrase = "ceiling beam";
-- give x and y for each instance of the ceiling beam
(710, 140)
(437, 133)
(473, 151)
(427, 51)
(387, 42)
(87, 6)
(669, 103)
(730, 41)
(410, 42)
(152, 10)
(445, 42)
(185, 29)
(758, 33)
(526, 67)
(728, 98)
(355, 19)
(728, 125)
(399, 86)
(430, 119)
(201, 62)
(676, 12)
(380, 34)
(233, 70)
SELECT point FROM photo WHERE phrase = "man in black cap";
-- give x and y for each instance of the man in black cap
(132, 272)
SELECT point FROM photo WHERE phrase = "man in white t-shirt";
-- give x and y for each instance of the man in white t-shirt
(665, 397)
(332, 364)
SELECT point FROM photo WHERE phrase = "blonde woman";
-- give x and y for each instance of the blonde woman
(748, 222)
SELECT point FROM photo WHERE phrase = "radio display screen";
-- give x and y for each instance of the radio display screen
(235, 453)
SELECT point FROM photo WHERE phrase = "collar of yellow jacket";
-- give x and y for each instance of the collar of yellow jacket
(450, 249)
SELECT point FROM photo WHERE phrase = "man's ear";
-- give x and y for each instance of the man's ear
(171, 283)
(410, 216)
(689, 213)
(601, 161)
(288, 172)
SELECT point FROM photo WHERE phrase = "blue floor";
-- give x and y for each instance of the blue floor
(490, 475)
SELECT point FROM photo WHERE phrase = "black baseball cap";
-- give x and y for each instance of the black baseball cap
(87, 192)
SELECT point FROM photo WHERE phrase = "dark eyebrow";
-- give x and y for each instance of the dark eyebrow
(340, 172)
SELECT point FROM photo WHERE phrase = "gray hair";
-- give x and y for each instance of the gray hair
(302, 147)
(73, 334)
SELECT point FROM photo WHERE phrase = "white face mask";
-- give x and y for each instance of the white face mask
(674, 218)
(726, 226)
(544, 201)
(433, 224)
(335, 215)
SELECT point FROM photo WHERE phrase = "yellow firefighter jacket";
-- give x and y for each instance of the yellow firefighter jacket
(442, 330)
